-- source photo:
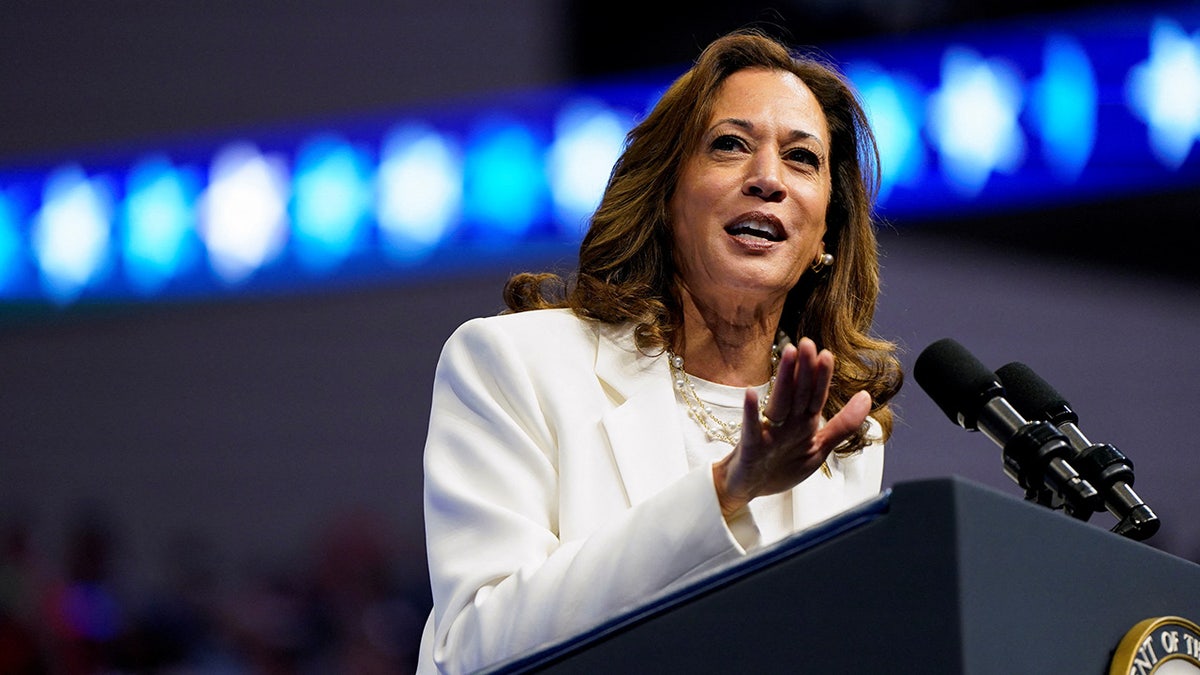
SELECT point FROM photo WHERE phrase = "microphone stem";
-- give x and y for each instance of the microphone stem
(1075, 490)
(1075, 436)
(1035, 457)
(1135, 518)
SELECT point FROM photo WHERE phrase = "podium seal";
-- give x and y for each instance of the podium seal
(1165, 645)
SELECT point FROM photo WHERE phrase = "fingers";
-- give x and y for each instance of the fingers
(821, 374)
(752, 425)
(802, 384)
(783, 392)
(806, 354)
(847, 420)
(801, 389)
(776, 454)
(799, 396)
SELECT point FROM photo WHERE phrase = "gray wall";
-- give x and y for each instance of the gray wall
(1118, 346)
(77, 74)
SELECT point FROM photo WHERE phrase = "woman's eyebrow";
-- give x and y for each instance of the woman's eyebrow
(793, 135)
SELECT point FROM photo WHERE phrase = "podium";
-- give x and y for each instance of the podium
(933, 576)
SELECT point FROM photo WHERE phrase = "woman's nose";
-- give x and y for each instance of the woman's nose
(763, 180)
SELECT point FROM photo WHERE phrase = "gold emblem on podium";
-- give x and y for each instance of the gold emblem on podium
(1165, 645)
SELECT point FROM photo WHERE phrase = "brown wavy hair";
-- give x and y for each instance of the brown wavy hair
(626, 271)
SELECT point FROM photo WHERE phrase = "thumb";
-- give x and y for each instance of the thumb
(847, 420)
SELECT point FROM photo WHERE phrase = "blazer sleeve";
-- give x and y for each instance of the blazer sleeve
(502, 580)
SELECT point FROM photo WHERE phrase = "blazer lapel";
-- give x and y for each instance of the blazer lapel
(643, 429)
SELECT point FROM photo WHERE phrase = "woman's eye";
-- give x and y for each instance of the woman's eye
(804, 156)
(728, 143)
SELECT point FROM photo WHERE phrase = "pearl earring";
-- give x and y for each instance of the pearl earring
(824, 260)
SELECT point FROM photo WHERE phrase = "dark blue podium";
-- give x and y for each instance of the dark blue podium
(934, 576)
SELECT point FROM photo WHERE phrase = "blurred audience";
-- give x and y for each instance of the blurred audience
(354, 604)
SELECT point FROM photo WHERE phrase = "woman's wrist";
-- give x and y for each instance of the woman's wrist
(729, 504)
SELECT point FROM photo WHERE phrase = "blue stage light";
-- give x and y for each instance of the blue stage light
(1063, 105)
(953, 115)
(1164, 91)
(333, 198)
(243, 217)
(159, 239)
(10, 241)
(973, 119)
(894, 104)
(588, 139)
(420, 188)
(504, 180)
(71, 233)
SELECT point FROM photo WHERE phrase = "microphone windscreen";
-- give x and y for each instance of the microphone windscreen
(1032, 396)
(956, 381)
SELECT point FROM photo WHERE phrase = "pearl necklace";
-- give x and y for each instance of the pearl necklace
(715, 429)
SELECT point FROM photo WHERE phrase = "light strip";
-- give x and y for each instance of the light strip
(1015, 115)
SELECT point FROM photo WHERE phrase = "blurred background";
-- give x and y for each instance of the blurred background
(234, 235)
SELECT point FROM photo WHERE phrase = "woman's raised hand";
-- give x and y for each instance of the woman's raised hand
(787, 442)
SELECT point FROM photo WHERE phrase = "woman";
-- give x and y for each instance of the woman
(646, 422)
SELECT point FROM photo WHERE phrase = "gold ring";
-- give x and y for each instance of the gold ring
(768, 422)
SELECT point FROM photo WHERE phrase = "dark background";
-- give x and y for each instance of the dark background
(243, 477)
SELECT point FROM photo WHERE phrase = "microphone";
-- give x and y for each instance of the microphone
(1035, 454)
(1101, 464)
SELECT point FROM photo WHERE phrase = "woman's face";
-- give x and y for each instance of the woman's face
(748, 213)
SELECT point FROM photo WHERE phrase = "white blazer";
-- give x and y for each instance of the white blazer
(557, 488)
